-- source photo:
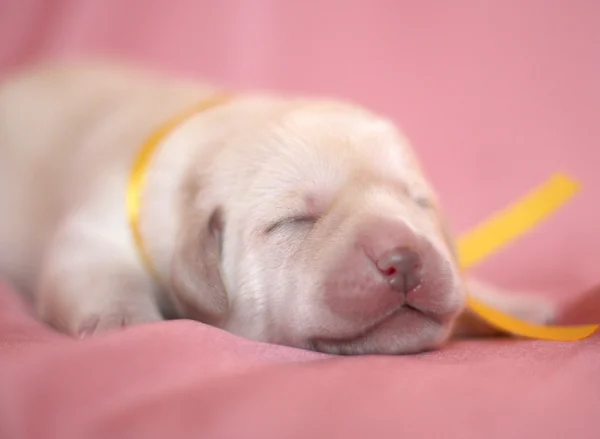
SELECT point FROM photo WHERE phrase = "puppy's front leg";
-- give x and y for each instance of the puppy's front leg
(531, 308)
(90, 282)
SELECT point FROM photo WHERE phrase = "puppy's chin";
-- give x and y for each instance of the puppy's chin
(404, 331)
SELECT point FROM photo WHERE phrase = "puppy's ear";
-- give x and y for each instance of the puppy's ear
(199, 292)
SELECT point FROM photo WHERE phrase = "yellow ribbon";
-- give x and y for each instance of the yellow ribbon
(139, 171)
(475, 246)
(499, 231)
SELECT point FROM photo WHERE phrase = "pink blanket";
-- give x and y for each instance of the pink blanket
(186, 380)
(496, 96)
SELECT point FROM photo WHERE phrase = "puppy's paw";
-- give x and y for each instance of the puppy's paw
(102, 307)
(527, 307)
(532, 309)
(524, 306)
(110, 320)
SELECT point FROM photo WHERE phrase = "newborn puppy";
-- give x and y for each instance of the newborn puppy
(301, 222)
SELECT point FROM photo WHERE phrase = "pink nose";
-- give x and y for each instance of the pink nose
(402, 268)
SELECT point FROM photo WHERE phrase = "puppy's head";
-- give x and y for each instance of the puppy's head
(318, 230)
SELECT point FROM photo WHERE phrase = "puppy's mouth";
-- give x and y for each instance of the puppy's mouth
(352, 344)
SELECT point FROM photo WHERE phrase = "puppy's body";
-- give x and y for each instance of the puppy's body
(61, 147)
(268, 217)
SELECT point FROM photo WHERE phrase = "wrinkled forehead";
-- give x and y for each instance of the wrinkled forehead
(320, 151)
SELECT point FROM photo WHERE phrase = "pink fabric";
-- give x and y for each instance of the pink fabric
(186, 380)
(496, 97)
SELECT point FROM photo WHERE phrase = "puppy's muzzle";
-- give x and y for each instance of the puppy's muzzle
(387, 266)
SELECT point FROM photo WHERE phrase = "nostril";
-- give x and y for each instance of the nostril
(390, 271)
(402, 269)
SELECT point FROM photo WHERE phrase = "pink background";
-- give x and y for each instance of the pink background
(496, 96)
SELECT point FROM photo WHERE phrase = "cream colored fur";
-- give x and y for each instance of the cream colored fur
(341, 183)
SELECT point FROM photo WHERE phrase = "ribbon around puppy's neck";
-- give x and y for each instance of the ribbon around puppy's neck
(139, 173)
(501, 229)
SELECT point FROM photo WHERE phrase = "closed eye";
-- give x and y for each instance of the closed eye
(294, 220)
(423, 202)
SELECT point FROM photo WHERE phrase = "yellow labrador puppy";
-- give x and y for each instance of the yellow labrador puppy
(294, 221)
